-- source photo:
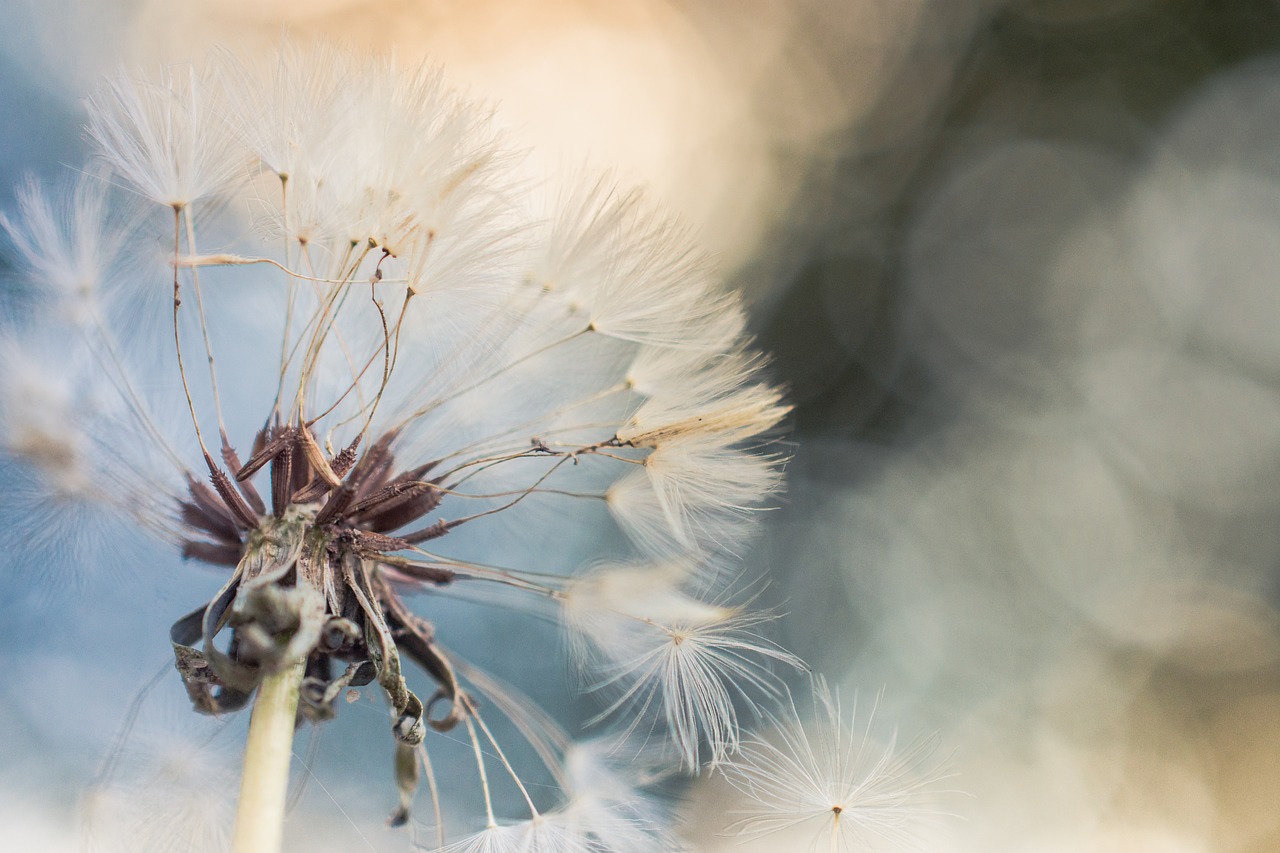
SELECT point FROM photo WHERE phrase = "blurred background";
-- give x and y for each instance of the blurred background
(1016, 262)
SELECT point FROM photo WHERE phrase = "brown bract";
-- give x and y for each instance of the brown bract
(311, 581)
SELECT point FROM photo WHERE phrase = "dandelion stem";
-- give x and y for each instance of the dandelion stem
(260, 813)
(204, 325)
(293, 295)
(177, 337)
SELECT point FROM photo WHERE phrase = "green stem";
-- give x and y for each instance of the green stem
(267, 755)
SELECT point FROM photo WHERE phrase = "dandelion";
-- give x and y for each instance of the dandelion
(411, 343)
(828, 785)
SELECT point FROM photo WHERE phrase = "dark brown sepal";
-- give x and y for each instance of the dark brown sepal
(434, 531)
(401, 504)
(374, 543)
(280, 439)
(232, 460)
(240, 511)
(346, 457)
(438, 575)
(218, 525)
(374, 468)
(282, 479)
(218, 553)
(213, 515)
(336, 506)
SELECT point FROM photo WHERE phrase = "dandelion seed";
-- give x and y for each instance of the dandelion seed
(828, 785)
(631, 275)
(63, 240)
(168, 140)
(665, 652)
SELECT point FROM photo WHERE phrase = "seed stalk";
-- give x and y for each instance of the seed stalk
(267, 756)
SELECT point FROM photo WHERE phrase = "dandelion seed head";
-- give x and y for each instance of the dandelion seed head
(829, 783)
(398, 348)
